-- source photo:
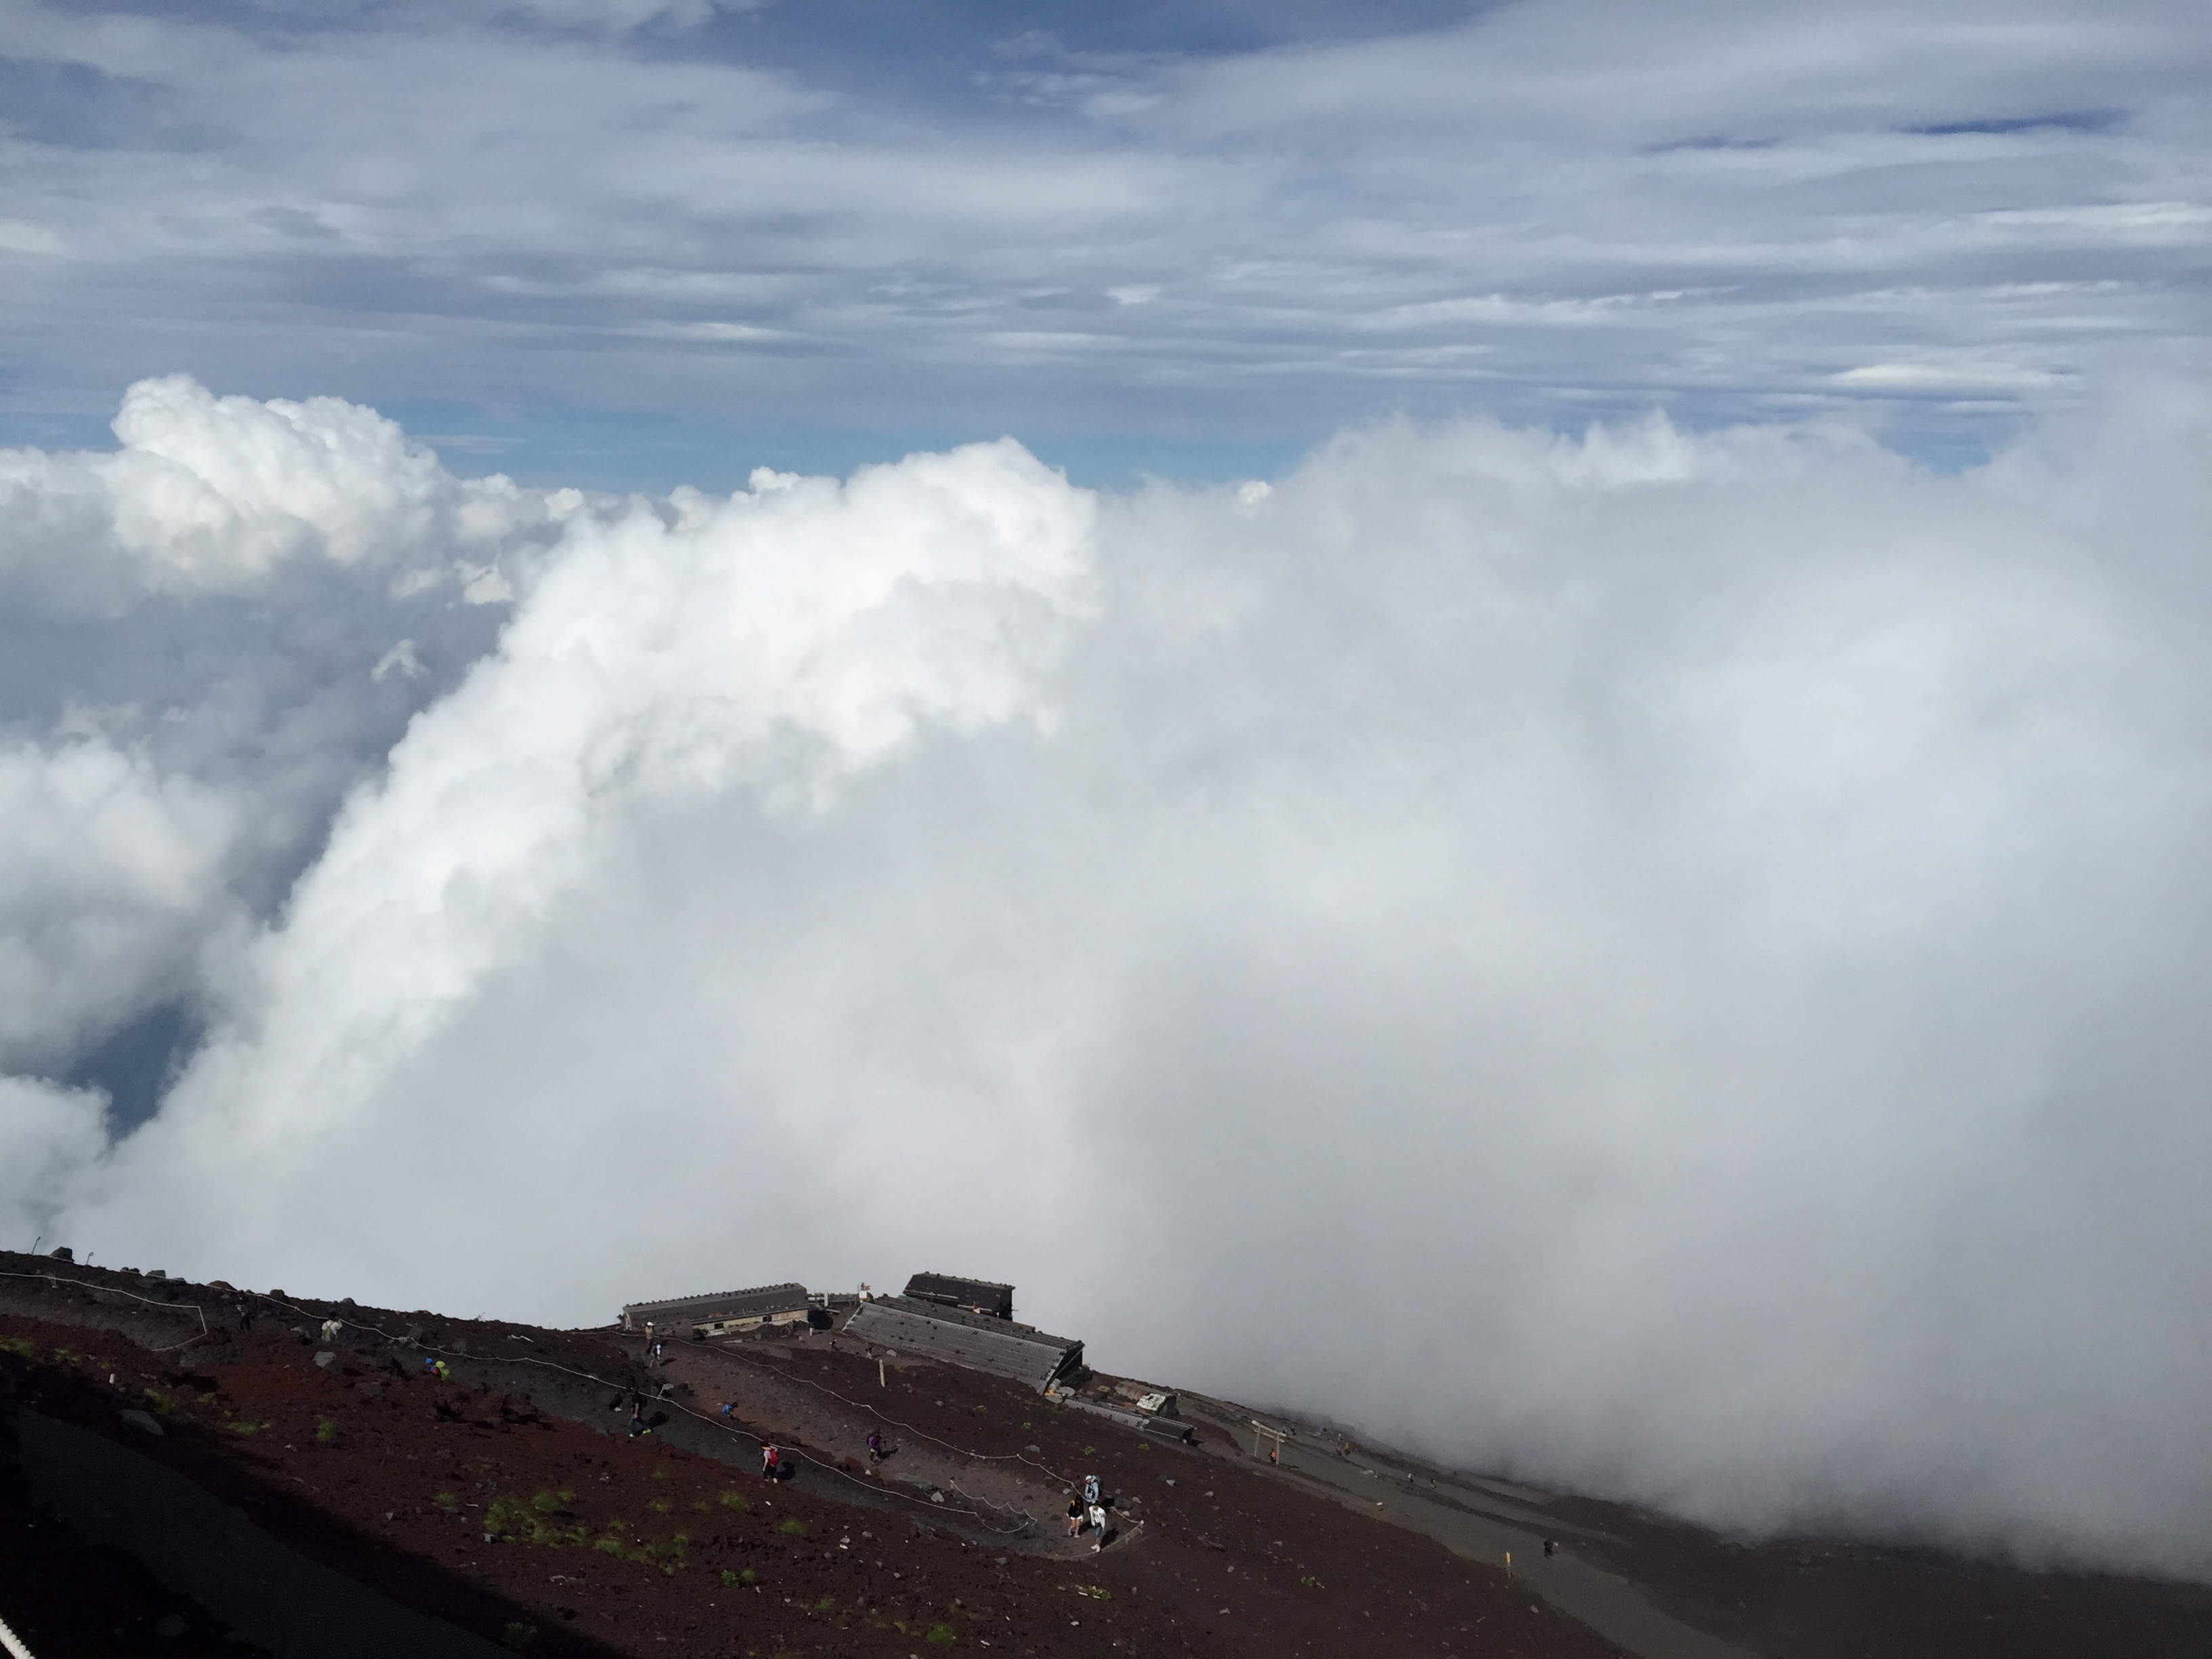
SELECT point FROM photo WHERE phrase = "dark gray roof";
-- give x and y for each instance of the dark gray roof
(979, 1295)
(977, 1341)
(761, 1300)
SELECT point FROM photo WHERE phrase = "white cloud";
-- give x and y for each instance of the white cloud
(195, 663)
(211, 496)
(45, 1133)
(1690, 935)
(111, 877)
(773, 643)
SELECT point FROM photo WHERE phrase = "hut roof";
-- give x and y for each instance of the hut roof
(761, 1300)
(983, 1296)
(977, 1341)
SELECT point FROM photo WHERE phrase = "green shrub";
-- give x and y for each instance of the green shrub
(658, 1506)
(940, 1636)
(327, 1432)
(792, 1528)
(519, 1637)
(445, 1500)
(736, 1501)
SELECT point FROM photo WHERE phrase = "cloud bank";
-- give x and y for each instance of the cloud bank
(1657, 962)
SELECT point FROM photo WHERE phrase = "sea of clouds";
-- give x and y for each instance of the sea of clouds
(1664, 963)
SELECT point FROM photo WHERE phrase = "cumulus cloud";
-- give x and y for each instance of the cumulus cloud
(110, 876)
(211, 495)
(45, 1133)
(1653, 961)
(191, 628)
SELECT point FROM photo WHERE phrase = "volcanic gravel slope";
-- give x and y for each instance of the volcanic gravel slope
(509, 1500)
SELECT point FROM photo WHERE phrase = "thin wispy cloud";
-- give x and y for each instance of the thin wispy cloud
(512, 203)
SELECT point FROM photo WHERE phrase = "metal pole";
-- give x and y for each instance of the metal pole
(13, 1643)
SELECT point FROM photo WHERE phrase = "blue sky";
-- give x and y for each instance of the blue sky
(628, 243)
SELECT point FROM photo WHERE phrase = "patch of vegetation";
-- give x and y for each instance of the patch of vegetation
(512, 1520)
(1310, 1582)
(749, 1576)
(519, 1637)
(940, 1636)
(326, 1432)
(792, 1528)
(671, 1557)
(658, 1506)
(240, 1425)
(825, 1604)
(731, 1500)
(1096, 1592)
(18, 1347)
(447, 1500)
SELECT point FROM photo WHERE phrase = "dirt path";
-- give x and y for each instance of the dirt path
(1473, 1522)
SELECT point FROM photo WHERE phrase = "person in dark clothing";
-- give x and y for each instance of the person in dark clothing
(1074, 1516)
(638, 1425)
(875, 1446)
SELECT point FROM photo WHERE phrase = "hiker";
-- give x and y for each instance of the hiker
(729, 1407)
(1098, 1527)
(1074, 1516)
(331, 1330)
(1091, 1491)
(1550, 1547)
(875, 1446)
(771, 1461)
(638, 1425)
(439, 1369)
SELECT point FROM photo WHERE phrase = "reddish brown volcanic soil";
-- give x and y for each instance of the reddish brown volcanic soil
(481, 1500)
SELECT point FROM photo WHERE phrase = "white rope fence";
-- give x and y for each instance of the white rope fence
(110, 1289)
